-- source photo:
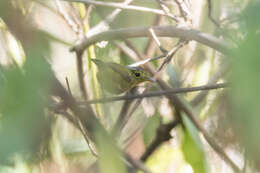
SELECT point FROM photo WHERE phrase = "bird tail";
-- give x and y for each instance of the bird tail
(98, 62)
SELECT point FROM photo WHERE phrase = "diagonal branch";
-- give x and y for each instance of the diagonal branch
(162, 135)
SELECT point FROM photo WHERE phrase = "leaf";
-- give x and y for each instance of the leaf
(149, 132)
(192, 148)
(110, 158)
(246, 84)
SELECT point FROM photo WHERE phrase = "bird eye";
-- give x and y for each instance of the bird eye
(137, 74)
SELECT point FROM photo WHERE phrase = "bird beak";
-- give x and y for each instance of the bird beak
(151, 79)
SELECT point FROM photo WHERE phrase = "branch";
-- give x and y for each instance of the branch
(67, 18)
(124, 6)
(156, 93)
(211, 141)
(215, 77)
(184, 33)
(210, 14)
(81, 75)
(123, 113)
(104, 24)
(162, 135)
(167, 11)
(185, 13)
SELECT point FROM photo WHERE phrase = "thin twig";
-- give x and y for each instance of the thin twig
(84, 132)
(104, 24)
(66, 17)
(142, 62)
(167, 11)
(150, 47)
(215, 77)
(78, 123)
(155, 38)
(68, 86)
(184, 12)
(124, 6)
(156, 93)
(162, 135)
(137, 164)
(211, 141)
(122, 115)
(169, 56)
(131, 112)
(210, 14)
(81, 75)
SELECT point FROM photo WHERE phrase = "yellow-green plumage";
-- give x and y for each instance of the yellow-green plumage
(116, 78)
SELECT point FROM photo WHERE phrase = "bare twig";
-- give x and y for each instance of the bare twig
(67, 18)
(150, 47)
(155, 38)
(184, 11)
(162, 135)
(122, 115)
(86, 18)
(184, 33)
(210, 140)
(169, 56)
(137, 164)
(156, 93)
(139, 54)
(215, 77)
(78, 123)
(104, 24)
(131, 112)
(84, 132)
(81, 75)
(68, 86)
(123, 6)
(210, 14)
(167, 11)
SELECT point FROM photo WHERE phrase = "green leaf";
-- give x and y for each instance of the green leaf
(110, 157)
(192, 148)
(149, 132)
(246, 83)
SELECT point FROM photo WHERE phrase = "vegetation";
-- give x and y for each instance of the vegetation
(200, 114)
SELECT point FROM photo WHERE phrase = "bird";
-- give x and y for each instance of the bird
(115, 78)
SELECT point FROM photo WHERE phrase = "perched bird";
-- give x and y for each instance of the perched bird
(116, 78)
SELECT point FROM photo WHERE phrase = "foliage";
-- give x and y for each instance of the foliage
(161, 133)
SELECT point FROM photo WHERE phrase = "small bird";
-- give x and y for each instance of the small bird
(116, 78)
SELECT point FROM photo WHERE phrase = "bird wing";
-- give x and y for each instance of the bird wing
(121, 70)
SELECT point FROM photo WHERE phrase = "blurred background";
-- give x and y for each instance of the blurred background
(39, 134)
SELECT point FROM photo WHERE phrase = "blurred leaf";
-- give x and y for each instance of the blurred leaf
(21, 104)
(192, 148)
(22, 99)
(246, 84)
(149, 132)
(110, 158)
(173, 76)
